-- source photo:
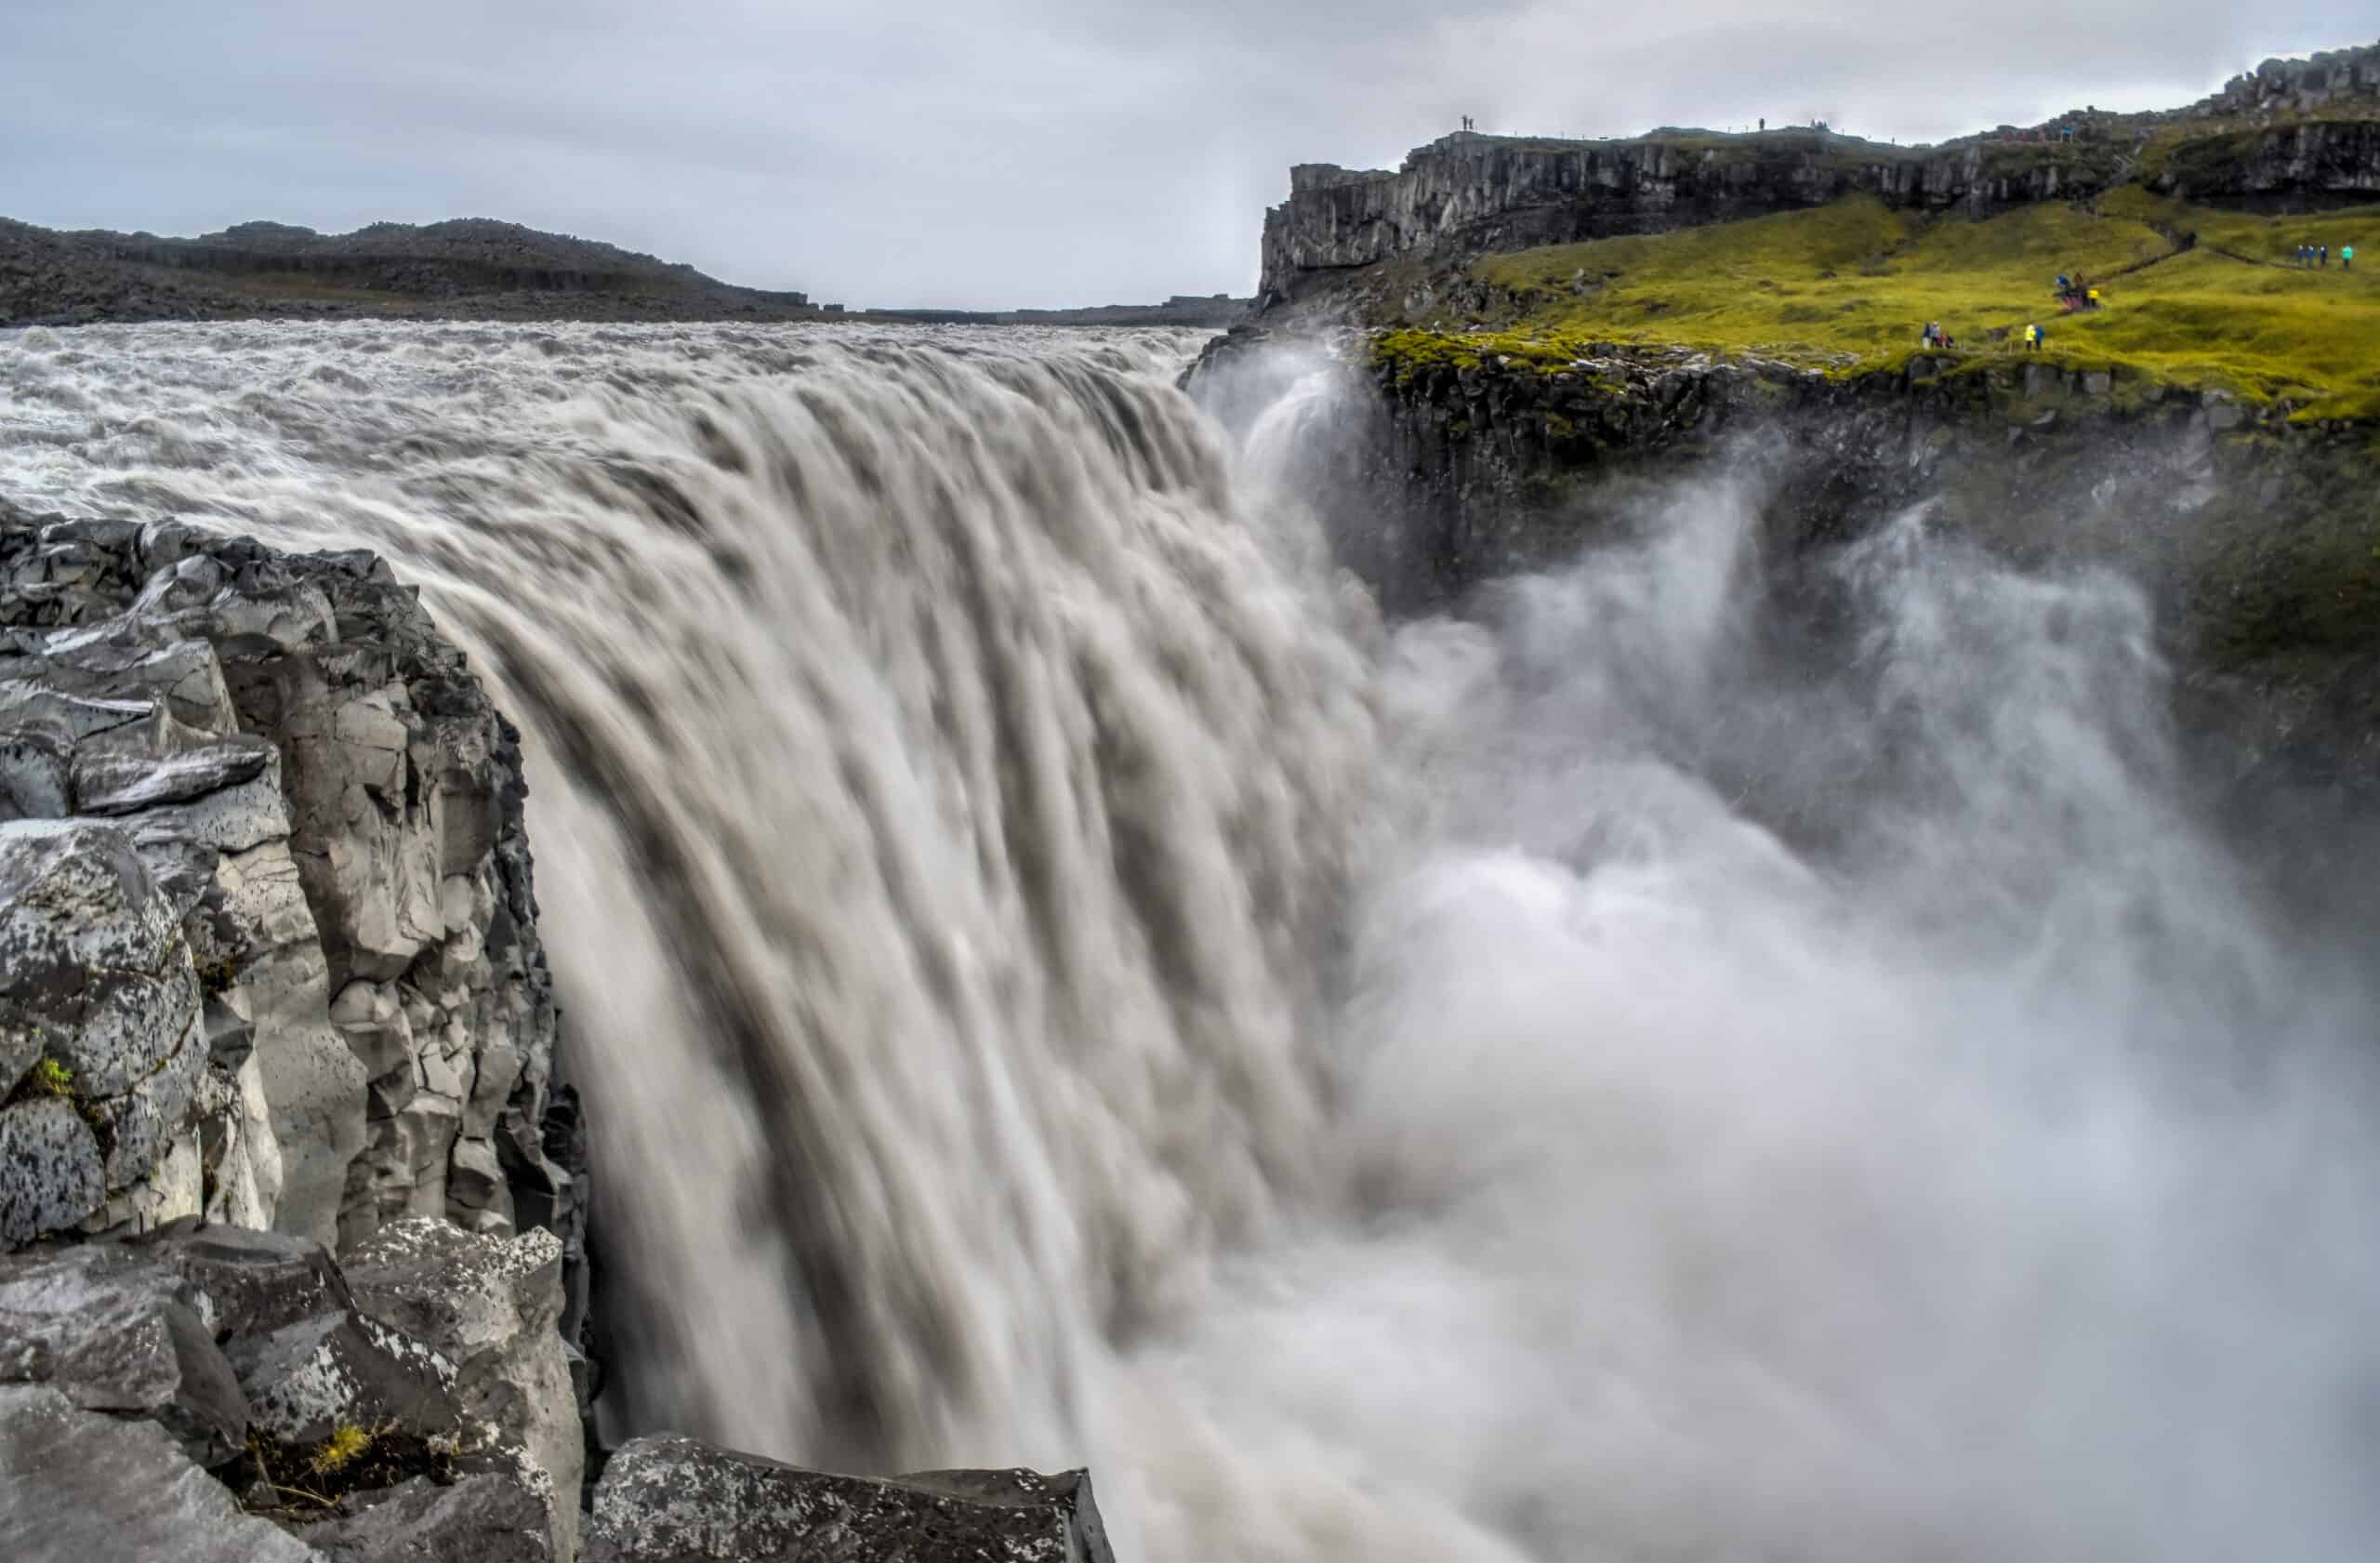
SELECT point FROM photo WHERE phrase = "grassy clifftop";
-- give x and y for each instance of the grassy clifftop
(1848, 286)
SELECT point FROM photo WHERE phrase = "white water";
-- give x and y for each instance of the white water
(1055, 981)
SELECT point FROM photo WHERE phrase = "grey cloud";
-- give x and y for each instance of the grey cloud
(976, 151)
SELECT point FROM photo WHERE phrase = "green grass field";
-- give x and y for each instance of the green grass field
(1848, 288)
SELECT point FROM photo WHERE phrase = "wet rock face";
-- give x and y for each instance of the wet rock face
(673, 1500)
(268, 945)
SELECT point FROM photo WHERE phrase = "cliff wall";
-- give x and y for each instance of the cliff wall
(2281, 87)
(301, 811)
(1468, 194)
(2303, 131)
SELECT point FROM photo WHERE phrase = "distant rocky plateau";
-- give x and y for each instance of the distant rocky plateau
(2294, 133)
(292, 1204)
(471, 269)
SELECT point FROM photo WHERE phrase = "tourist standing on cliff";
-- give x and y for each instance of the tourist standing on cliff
(2326, 256)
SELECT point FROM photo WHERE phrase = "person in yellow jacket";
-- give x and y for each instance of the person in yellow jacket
(2094, 297)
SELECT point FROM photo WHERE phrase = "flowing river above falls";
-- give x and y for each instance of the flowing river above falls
(1056, 979)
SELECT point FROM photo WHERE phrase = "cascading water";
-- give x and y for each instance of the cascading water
(1055, 980)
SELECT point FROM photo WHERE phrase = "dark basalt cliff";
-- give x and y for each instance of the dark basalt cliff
(2302, 131)
(1467, 194)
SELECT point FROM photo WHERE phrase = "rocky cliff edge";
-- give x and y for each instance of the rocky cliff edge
(292, 1218)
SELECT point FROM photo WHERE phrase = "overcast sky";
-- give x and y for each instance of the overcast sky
(982, 152)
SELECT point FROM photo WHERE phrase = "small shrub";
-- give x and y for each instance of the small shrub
(53, 1079)
(299, 1482)
(347, 1444)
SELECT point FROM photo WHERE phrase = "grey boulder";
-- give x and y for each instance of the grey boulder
(80, 1487)
(478, 1519)
(674, 1500)
(49, 1170)
(489, 1305)
(334, 1370)
(113, 782)
(255, 1282)
(115, 1333)
(306, 1356)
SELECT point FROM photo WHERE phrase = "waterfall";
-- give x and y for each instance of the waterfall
(1056, 979)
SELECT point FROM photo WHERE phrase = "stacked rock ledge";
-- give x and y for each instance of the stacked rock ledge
(270, 994)
(268, 941)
